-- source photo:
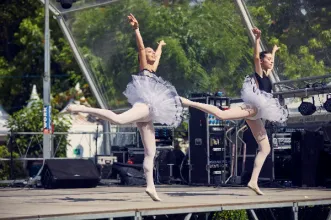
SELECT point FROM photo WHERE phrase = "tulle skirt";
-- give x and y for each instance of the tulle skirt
(268, 107)
(161, 97)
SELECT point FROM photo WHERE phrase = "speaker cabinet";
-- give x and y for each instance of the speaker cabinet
(69, 173)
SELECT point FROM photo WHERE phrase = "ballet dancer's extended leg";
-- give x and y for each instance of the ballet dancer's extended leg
(256, 126)
(147, 133)
(138, 112)
(232, 113)
(261, 137)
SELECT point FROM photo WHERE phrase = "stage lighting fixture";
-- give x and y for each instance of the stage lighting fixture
(327, 103)
(307, 108)
(66, 4)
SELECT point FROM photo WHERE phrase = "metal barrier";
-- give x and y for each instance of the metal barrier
(26, 148)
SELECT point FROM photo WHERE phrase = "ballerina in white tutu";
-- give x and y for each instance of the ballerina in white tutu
(259, 104)
(153, 100)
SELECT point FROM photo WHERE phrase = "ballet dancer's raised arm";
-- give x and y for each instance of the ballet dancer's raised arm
(273, 54)
(158, 53)
(148, 58)
(257, 61)
(140, 43)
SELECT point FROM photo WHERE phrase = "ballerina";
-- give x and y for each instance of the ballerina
(153, 100)
(258, 104)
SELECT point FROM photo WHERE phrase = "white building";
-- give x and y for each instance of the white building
(83, 140)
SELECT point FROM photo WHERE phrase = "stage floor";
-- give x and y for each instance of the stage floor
(117, 201)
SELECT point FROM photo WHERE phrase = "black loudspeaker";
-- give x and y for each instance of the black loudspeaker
(266, 171)
(164, 159)
(282, 164)
(130, 174)
(198, 153)
(327, 132)
(306, 148)
(252, 149)
(251, 144)
(247, 172)
(69, 173)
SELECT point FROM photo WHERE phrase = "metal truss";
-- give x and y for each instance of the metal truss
(140, 213)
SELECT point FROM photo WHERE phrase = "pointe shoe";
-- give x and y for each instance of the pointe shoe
(255, 189)
(153, 195)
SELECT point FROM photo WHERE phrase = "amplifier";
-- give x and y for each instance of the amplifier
(106, 160)
(281, 140)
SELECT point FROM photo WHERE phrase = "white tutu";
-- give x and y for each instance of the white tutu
(160, 95)
(268, 107)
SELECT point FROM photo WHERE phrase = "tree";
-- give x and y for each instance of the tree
(302, 29)
(5, 169)
(207, 46)
(22, 55)
(31, 120)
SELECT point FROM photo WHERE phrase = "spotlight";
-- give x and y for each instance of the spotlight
(307, 108)
(327, 103)
(66, 4)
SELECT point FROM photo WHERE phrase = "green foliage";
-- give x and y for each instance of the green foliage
(181, 131)
(30, 119)
(17, 171)
(231, 215)
(301, 29)
(22, 55)
(207, 46)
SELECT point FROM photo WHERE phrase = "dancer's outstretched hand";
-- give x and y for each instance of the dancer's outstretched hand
(133, 21)
(162, 43)
(256, 32)
(275, 48)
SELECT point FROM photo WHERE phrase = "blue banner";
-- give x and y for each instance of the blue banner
(47, 119)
